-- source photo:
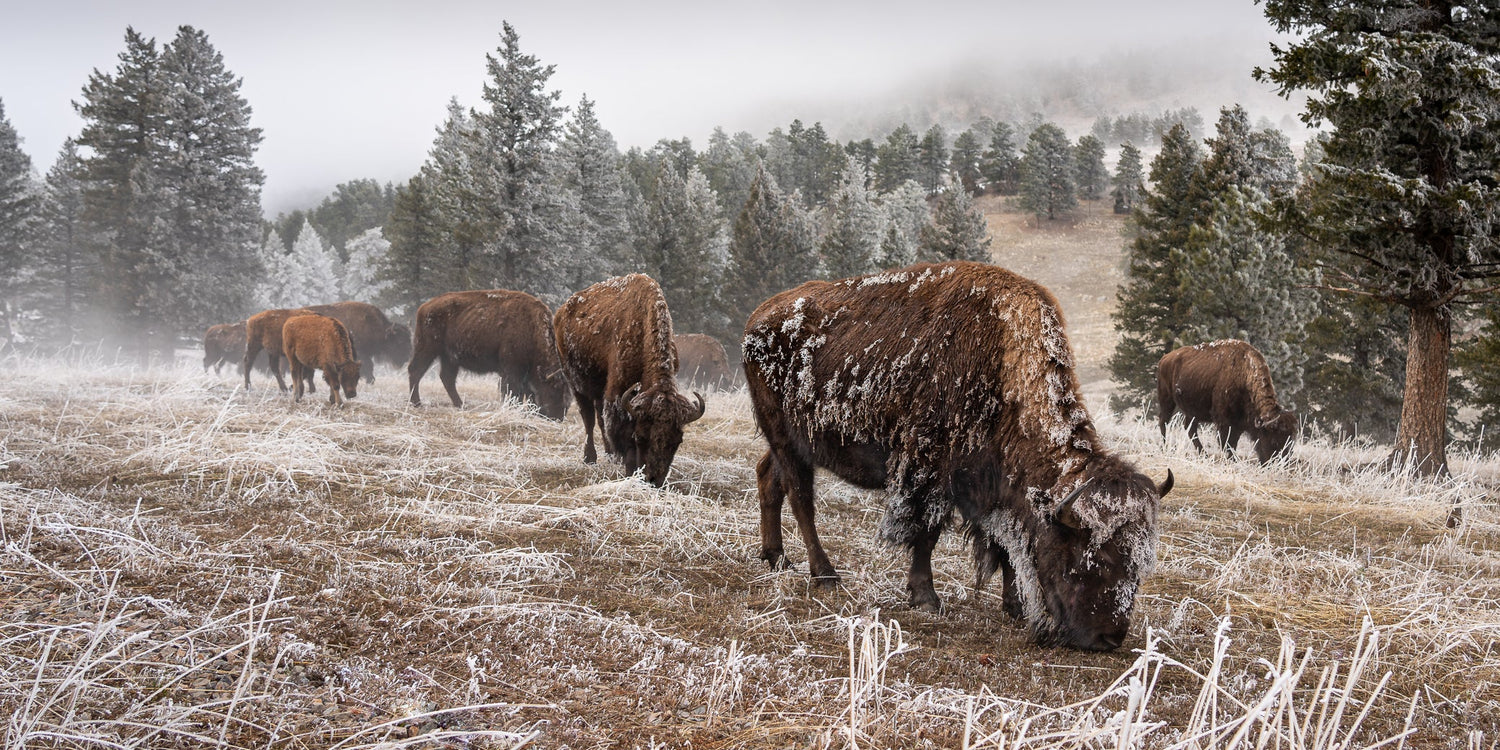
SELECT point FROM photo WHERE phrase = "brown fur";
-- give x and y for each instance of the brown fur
(223, 343)
(1228, 384)
(317, 342)
(500, 331)
(952, 386)
(373, 333)
(615, 341)
(702, 361)
(263, 333)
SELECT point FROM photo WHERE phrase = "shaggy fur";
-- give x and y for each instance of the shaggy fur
(615, 340)
(951, 385)
(702, 361)
(373, 333)
(500, 331)
(263, 333)
(1228, 384)
(317, 342)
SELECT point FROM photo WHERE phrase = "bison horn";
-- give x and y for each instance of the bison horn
(702, 407)
(624, 400)
(1065, 513)
(1165, 486)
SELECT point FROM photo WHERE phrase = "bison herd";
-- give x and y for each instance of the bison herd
(951, 386)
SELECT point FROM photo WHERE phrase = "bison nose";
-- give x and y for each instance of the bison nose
(1109, 641)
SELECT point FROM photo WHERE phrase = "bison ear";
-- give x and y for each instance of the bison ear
(1165, 486)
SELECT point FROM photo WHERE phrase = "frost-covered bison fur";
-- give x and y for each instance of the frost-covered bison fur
(317, 342)
(485, 331)
(1227, 384)
(615, 340)
(373, 333)
(951, 385)
(701, 360)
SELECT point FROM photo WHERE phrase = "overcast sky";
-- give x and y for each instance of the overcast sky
(353, 89)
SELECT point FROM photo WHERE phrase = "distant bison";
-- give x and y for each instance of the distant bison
(952, 386)
(374, 335)
(317, 342)
(263, 333)
(615, 341)
(500, 331)
(1227, 383)
(701, 361)
(223, 343)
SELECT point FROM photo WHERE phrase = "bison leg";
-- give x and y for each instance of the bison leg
(1192, 428)
(1229, 436)
(296, 379)
(331, 377)
(798, 480)
(448, 373)
(367, 369)
(274, 360)
(772, 495)
(586, 410)
(919, 577)
(252, 349)
(415, 369)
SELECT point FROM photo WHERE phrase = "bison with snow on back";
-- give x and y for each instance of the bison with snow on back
(951, 385)
(1228, 384)
(317, 342)
(615, 340)
(701, 360)
(373, 333)
(499, 331)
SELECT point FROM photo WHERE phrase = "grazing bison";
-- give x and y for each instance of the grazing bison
(615, 341)
(1226, 383)
(952, 386)
(490, 331)
(263, 333)
(701, 360)
(223, 343)
(317, 342)
(372, 332)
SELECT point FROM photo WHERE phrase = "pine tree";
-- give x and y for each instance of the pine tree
(18, 219)
(729, 164)
(968, 155)
(851, 227)
(361, 271)
(905, 213)
(680, 242)
(1406, 207)
(1047, 187)
(355, 207)
(932, 159)
(1088, 165)
(63, 268)
(1129, 180)
(590, 170)
(773, 249)
(312, 271)
(416, 268)
(450, 199)
(864, 154)
(958, 230)
(896, 159)
(1001, 166)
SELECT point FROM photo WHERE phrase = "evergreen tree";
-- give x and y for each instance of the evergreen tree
(449, 197)
(681, 243)
(1129, 180)
(1047, 186)
(729, 164)
(1356, 366)
(773, 249)
(932, 159)
(1406, 207)
(1001, 166)
(1150, 315)
(63, 269)
(851, 227)
(18, 217)
(313, 270)
(353, 209)
(590, 170)
(968, 156)
(904, 213)
(1092, 178)
(415, 267)
(896, 159)
(958, 230)
(815, 163)
(864, 154)
(361, 271)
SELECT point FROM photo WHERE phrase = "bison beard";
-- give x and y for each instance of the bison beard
(1228, 384)
(952, 386)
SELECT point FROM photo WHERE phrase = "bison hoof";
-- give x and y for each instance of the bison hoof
(590, 456)
(826, 582)
(925, 600)
(776, 559)
(1011, 607)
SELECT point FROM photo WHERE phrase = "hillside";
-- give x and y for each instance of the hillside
(188, 564)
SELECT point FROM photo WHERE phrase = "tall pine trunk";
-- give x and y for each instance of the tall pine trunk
(1422, 438)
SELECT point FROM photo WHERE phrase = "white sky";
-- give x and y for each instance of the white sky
(352, 89)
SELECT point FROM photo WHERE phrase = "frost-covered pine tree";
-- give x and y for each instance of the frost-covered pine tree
(896, 160)
(681, 242)
(773, 248)
(307, 275)
(1047, 186)
(967, 159)
(904, 213)
(851, 227)
(589, 167)
(417, 267)
(957, 231)
(729, 164)
(1001, 165)
(932, 159)
(19, 204)
(272, 292)
(1129, 180)
(63, 269)
(1088, 165)
(367, 253)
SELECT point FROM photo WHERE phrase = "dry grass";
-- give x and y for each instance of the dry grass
(186, 564)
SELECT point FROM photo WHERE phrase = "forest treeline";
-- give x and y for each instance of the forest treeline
(148, 225)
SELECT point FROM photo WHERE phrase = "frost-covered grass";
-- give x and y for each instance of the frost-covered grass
(187, 564)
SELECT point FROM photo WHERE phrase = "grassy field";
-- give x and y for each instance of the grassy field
(186, 564)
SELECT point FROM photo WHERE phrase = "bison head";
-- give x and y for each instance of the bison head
(349, 378)
(397, 349)
(648, 428)
(551, 393)
(1273, 437)
(1078, 567)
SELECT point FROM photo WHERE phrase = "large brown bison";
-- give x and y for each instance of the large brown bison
(1228, 384)
(223, 343)
(318, 342)
(615, 341)
(373, 333)
(263, 333)
(701, 361)
(952, 386)
(500, 331)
